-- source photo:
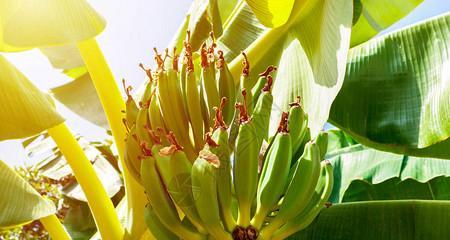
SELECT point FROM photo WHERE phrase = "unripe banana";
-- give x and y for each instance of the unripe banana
(132, 153)
(179, 186)
(158, 230)
(227, 88)
(276, 169)
(204, 186)
(322, 142)
(154, 113)
(245, 164)
(194, 105)
(172, 114)
(158, 196)
(256, 90)
(300, 189)
(261, 113)
(322, 194)
(208, 79)
(131, 107)
(298, 124)
(142, 122)
(218, 144)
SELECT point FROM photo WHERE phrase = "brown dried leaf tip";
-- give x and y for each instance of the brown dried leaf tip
(204, 56)
(296, 103)
(210, 157)
(173, 141)
(175, 59)
(268, 84)
(210, 141)
(218, 120)
(243, 114)
(187, 59)
(145, 149)
(127, 89)
(268, 71)
(159, 59)
(153, 136)
(221, 60)
(246, 68)
(283, 126)
(148, 72)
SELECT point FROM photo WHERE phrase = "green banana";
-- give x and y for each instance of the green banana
(322, 194)
(256, 90)
(194, 107)
(132, 153)
(298, 124)
(261, 113)
(171, 112)
(300, 189)
(158, 196)
(131, 107)
(245, 164)
(208, 79)
(158, 230)
(275, 173)
(142, 122)
(227, 88)
(154, 113)
(179, 186)
(204, 186)
(218, 144)
(322, 141)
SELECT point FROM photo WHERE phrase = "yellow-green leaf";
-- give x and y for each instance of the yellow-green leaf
(29, 23)
(64, 56)
(25, 110)
(377, 15)
(272, 13)
(19, 202)
(80, 96)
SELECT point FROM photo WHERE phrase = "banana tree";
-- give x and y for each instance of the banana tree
(226, 135)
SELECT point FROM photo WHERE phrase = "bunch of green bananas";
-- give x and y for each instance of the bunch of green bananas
(201, 162)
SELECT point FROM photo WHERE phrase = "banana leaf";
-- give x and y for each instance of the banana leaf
(361, 173)
(372, 16)
(272, 13)
(29, 24)
(81, 97)
(25, 110)
(387, 220)
(19, 202)
(396, 95)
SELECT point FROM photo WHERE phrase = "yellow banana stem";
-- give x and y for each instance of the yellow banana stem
(101, 206)
(54, 228)
(113, 105)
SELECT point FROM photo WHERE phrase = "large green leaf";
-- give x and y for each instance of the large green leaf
(387, 220)
(393, 171)
(19, 202)
(25, 110)
(272, 13)
(395, 189)
(396, 95)
(81, 97)
(28, 24)
(377, 15)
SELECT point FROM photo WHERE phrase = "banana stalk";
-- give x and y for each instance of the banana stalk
(54, 227)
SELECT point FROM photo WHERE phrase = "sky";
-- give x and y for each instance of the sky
(134, 27)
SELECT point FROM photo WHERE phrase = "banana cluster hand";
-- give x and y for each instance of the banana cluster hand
(194, 142)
